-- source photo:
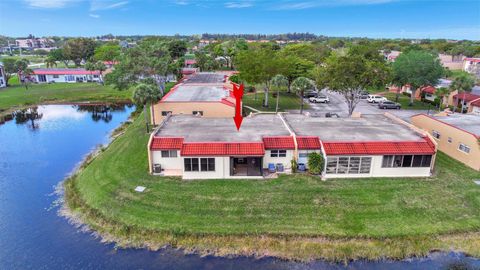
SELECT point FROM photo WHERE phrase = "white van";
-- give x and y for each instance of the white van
(376, 99)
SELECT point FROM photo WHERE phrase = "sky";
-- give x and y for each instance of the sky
(452, 19)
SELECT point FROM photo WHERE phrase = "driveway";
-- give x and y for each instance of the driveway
(337, 105)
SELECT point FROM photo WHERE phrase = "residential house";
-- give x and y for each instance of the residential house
(3, 77)
(34, 43)
(196, 147)
(465, 99)
(457, 135)
(475, 107)
(67, 75)
(205, 93)
(429, 91)
(471, 64)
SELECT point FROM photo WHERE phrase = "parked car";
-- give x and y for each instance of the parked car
(363, 95)
(310, 93)
(389, 105)
(375, 99)
(319, 99)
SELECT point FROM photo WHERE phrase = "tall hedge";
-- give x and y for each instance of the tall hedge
(315, 163)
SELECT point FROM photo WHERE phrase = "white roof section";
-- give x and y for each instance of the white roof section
(201, 86)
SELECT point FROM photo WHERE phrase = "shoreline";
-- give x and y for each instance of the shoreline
(286, 247)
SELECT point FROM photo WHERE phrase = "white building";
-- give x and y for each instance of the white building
(471, 65)
(34, 43)
(207, 148)
(3, 78)
(66, 75)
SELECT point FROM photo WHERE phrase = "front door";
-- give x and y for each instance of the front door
(303, 158)
(42, 78)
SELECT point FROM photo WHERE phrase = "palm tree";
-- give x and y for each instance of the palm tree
(279, 81)
(462, 83)
(441, 93)
(300, 85)
(50, 62)
(144, 94)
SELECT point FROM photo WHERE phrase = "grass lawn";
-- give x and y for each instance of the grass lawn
(287, 101)
(16, 96)
(286, 217)
(405, 100)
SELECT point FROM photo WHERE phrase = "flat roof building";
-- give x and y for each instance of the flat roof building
(458, 135)
(372, 146)
(205, 93)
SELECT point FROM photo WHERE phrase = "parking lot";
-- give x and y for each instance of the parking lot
(337, 105)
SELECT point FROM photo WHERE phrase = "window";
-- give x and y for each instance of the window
(450, 140)
(169, 153)
(69, 78)
(207, 164)
(406, 161)
(366, 163)
(95, 76)
(55, 76)
(436, 134)
(464, 148)
(191, 164)
(197, 112)
(278, 153)
(348, 165)
(165, 113)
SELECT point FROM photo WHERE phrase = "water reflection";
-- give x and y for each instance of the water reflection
(30, 115)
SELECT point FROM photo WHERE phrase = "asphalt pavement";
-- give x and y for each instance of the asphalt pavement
(337, 105)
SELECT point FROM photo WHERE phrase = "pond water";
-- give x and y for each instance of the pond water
(40, 146)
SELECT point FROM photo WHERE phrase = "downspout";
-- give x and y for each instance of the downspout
(290, 130)
(324, 154)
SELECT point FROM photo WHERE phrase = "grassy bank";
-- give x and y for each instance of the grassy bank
(16, 96)
(299, 217)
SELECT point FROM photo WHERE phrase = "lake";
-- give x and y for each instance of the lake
(41, 146)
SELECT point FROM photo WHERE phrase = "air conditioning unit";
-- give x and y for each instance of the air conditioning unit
(157, 168)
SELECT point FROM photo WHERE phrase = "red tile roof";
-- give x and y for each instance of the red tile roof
(279, 142)
(64, 71)
(429, 89)
(471, 59)
(466, 96)
(308, 142)
(166, 143)
(190, 61)
(476, 103)
(425, 147)
(223, 149)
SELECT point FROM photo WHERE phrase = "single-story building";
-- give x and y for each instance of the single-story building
(204, 93)
(3, 77)
(470, 64)
(457, 135)
(196, 147)
(65, 75)
(475, 107)
(465, 99)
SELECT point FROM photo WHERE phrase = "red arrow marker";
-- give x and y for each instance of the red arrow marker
(238, 93)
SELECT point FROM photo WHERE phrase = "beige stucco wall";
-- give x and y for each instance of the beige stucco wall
(458, 136)
(210, 109)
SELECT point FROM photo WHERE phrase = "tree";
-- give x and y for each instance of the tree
(258, 66)
(57, 55)
(177, 48)
(416, 68)
(463, 83)
(442, 93)
(350, 75)
(150, 59)
(307, 51)
(50, 62)
(294, 67)
(79, 49)
(9, 68)
(107, 52)
(205, 62)
(279, 81)
(146, 93)
(300, 85)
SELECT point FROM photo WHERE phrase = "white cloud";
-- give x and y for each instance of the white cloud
(244, 4)
(49, 3)
(106, 4)
(295, 5)
(181, 2)
(96, 16)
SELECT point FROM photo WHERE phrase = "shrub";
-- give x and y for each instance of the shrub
(294, 165)
(315, 163)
